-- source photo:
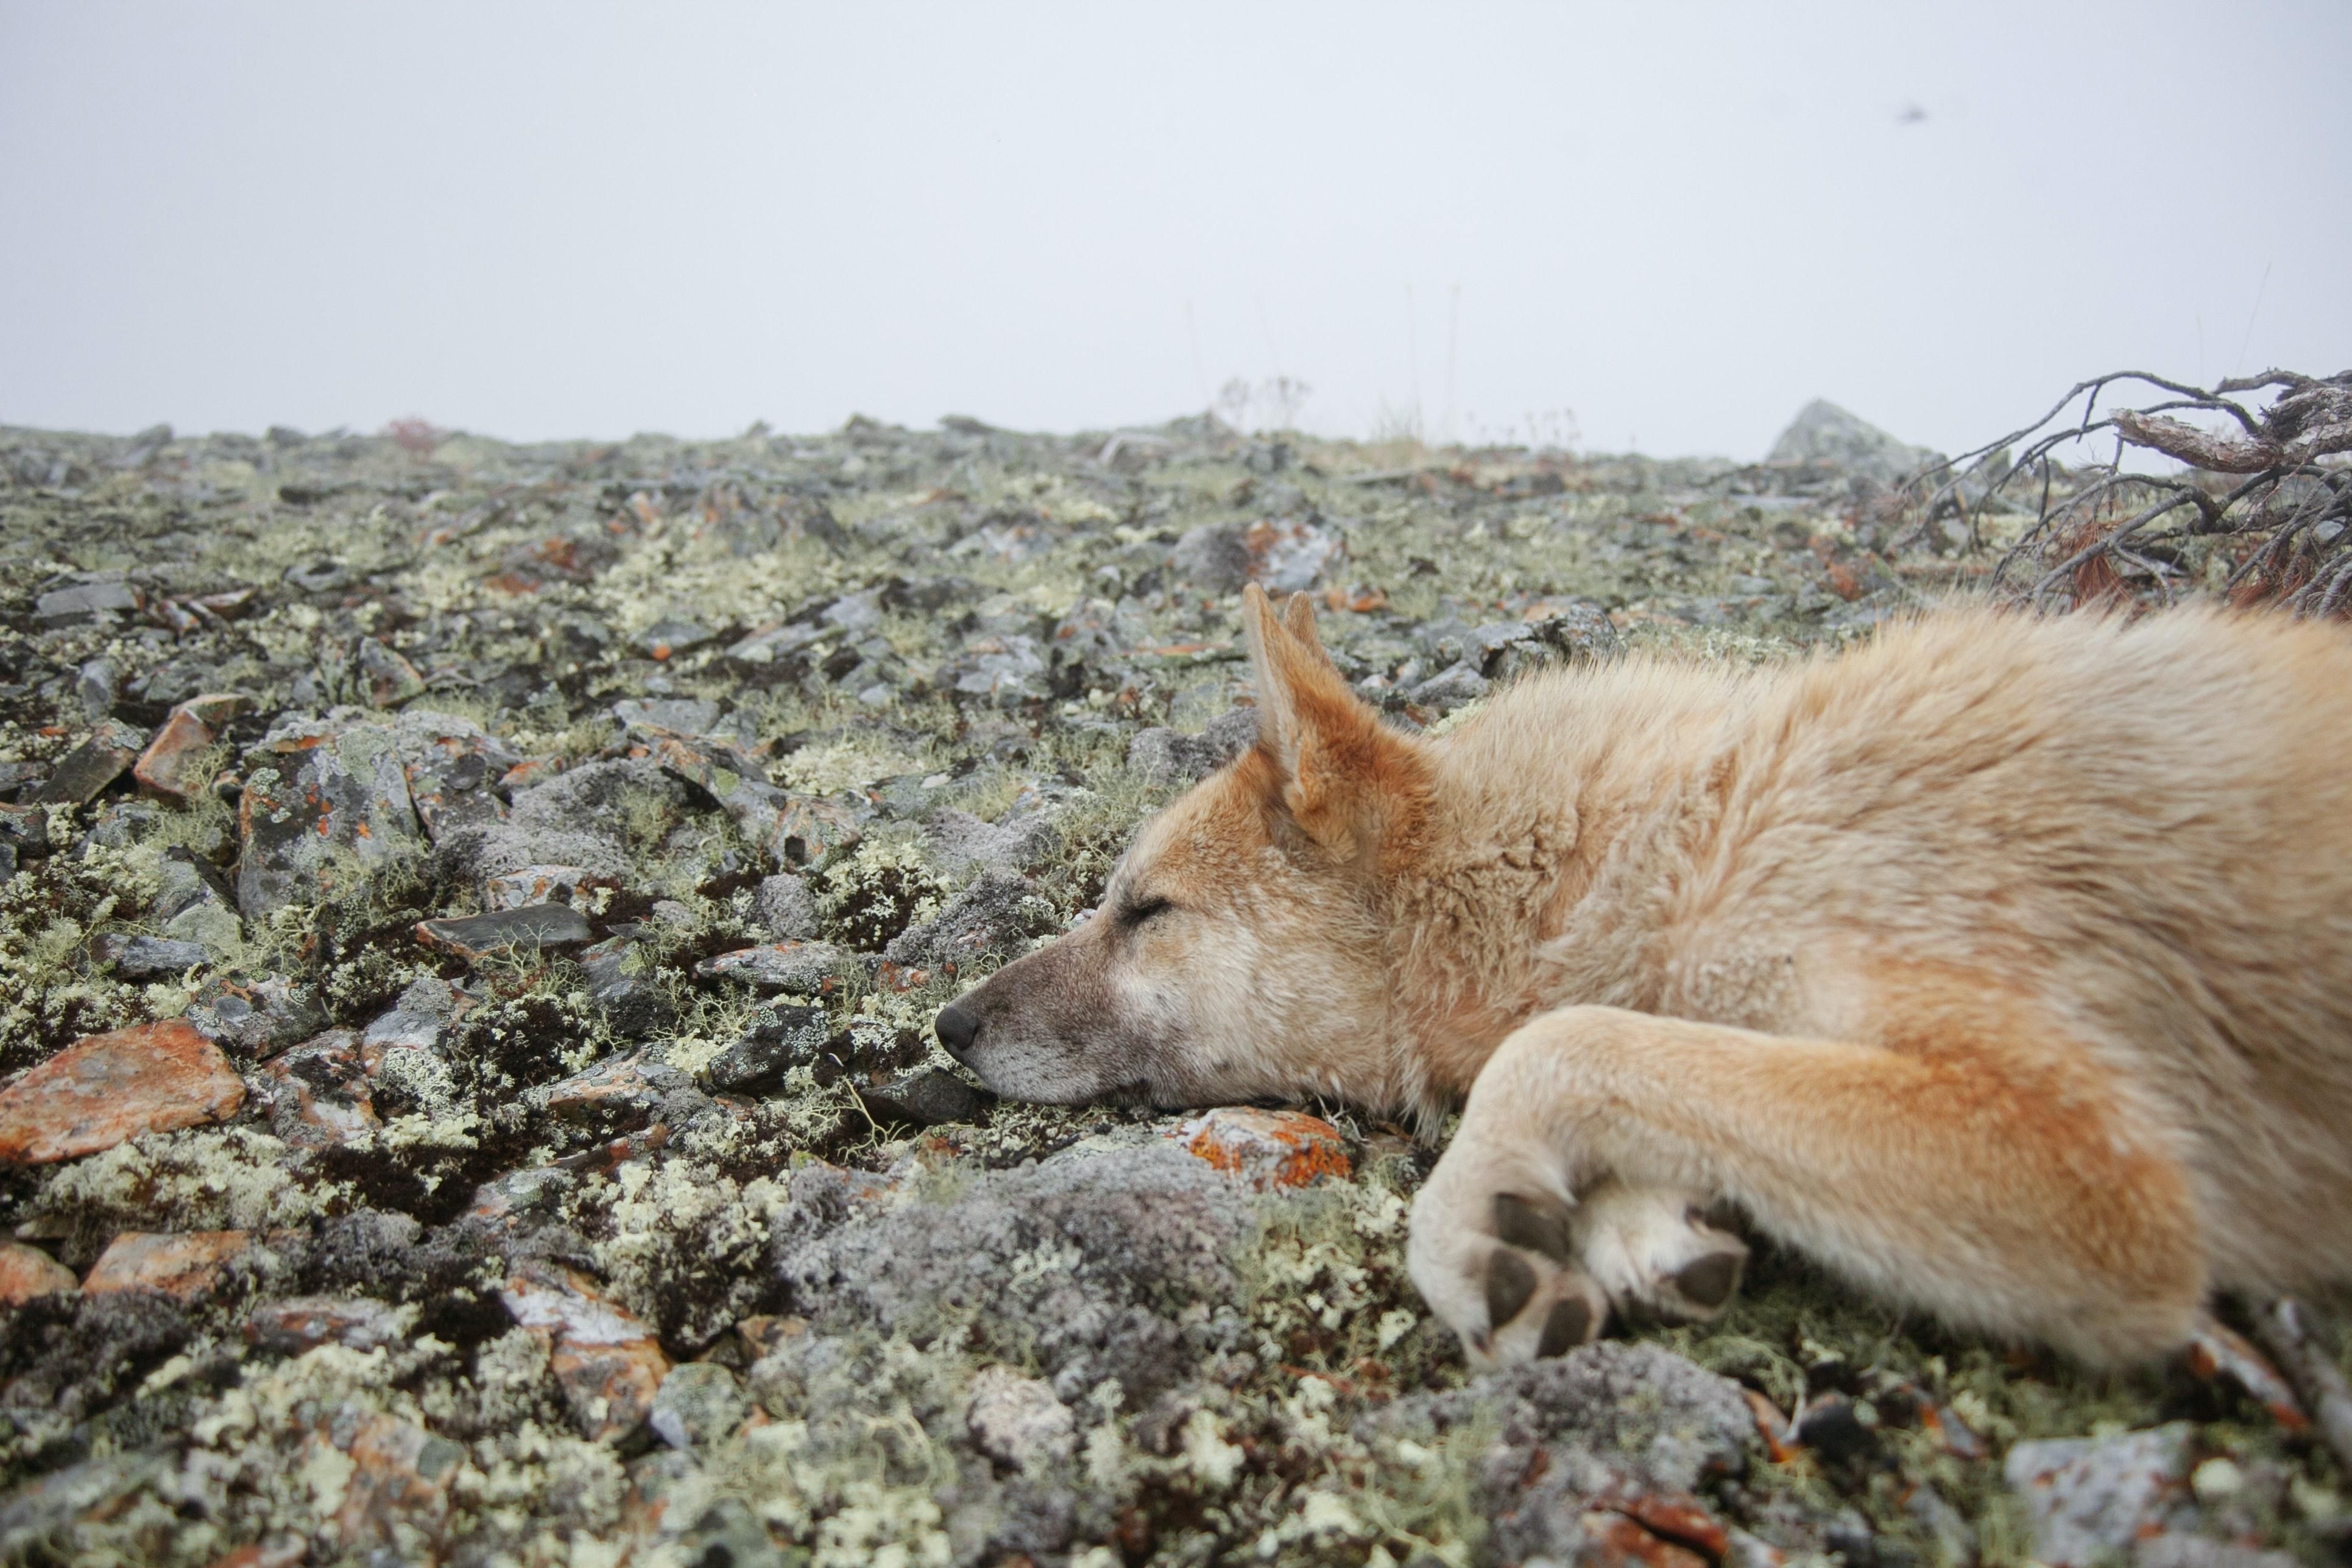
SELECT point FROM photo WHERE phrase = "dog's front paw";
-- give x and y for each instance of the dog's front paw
(1492, 1255)
(1654, 1255)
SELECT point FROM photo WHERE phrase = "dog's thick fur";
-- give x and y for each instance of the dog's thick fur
(2003, 966)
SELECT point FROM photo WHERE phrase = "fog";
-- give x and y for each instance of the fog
(1653, 227)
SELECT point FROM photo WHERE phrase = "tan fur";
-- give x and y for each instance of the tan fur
(2002, 964)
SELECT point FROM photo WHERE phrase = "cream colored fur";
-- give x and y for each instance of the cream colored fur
(2002, 964)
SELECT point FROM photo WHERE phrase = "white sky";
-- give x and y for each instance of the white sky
(1678, 221)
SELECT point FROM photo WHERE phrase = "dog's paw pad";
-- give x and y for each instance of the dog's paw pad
(1657, 1256)
(1538, 1224)
(1710, 1283)
(1569, 1324)
(1510, 1282)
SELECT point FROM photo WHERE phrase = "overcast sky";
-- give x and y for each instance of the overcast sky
(1678, 223)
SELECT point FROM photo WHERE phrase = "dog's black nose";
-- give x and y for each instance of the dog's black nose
(958, 1026)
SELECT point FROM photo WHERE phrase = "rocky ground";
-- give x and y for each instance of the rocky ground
(471, 917)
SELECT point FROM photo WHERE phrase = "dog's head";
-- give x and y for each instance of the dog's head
(1238, 950)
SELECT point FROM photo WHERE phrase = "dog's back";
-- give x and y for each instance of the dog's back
(2143, 831)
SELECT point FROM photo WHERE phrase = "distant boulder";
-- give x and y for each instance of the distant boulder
(1823, 435)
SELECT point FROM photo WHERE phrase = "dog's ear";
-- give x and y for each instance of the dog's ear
(1298, 620)
(1353, 785)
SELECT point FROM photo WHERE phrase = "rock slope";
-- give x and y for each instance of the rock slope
(470, 915)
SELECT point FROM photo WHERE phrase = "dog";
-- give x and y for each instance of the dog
(2001, 965)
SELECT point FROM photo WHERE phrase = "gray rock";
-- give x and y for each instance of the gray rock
(802, 966)
(580, 817)
(699, 1402)
(1164, 756)
(997, 916)
(2091, 1498)
(149, 957)
(186, 880)
(623, 980)
(1006, 671)
(787, 907)
(325, 821)
(386, 678)
(418, 1021)
(253, 1017)
(787, 1038)
(854, 613)
(82, 601)
(532, 928)
(1143, 1233)
(668, 639)
(453, 767)
(2178, 1550)
(95, 686)
(1282, 557)
(1450, 688)
(959, 842)
(1824, 434)
(1607, 1421)
(673, 715)
(927, 1097)
(82, 772)
(25, 831)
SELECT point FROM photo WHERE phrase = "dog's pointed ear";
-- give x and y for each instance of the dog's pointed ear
(1298, 620)
(1353, 785)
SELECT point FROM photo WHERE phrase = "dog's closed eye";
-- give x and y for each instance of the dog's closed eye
(1135, 912)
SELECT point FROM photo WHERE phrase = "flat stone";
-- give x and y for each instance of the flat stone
(802, 966)
(787, 907)
(455, 771)
(927, 1097)
(386, 676)
(334, 814)
(623, 980)
(608, 1364)
(2092, 1497)
(1267, 1149)
(669, 715)
(319, 1092)
(96, 685)
(184, 1265)
(667, 638)
(758, 1061)
(85, 772)
(531, 929)
(529, 885)
(148, 957)
(28, 1271)
(626, 1085)
(297, 1323)
(80, 601)
(105, 1089)
(255, 1017)
(170, 766)
(25, 831)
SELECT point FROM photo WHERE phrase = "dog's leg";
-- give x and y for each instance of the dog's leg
(1995, 1186)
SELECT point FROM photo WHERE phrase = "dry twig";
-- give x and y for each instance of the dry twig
(2285, 1330)
(2287, 527)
